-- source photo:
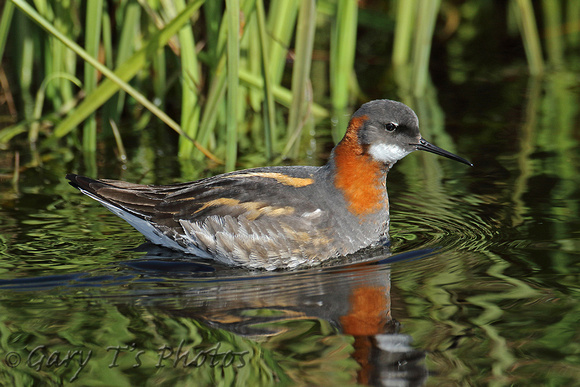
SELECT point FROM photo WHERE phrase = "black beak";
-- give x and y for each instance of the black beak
(427, 146)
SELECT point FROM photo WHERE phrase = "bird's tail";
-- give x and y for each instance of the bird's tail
(137, 199)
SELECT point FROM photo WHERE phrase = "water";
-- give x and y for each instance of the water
(480, 286)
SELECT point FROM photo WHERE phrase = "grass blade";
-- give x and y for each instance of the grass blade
(92, 41)
(343, 47)
(120, 147)
(39, 102)
(269, 108)
(25, 62)
(119, 78)
(5, 22)
(299, 109)
(281, 94)
(217, 86)
(404, 27)
(529, 31)
(554, 36)
(233, 59)
(190, 75)
(132, 13)
(281, 23)
(427, 15)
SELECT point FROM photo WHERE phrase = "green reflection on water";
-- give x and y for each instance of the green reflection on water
(125, 346)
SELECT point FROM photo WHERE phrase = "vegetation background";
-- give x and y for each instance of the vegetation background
(239, 82)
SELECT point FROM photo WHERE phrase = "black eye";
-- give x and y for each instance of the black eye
(389, 127)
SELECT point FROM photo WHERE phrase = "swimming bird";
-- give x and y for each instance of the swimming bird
(279, 217)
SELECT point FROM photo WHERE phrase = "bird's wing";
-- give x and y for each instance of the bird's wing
(252, 193)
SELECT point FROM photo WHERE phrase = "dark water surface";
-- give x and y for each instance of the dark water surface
(481, 287)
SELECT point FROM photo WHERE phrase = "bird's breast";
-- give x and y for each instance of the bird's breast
(361, 179)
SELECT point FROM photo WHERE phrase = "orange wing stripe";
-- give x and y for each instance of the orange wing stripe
(280, 178)
(253, 209)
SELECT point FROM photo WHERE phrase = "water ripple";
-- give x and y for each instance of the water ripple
(420, 225)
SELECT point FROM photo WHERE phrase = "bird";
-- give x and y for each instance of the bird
(279, 217)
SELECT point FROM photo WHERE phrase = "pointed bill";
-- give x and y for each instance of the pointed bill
(427, 146)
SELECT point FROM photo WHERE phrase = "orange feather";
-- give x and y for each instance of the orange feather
(358, 176)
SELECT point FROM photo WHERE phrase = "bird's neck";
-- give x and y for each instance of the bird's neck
(360, 178)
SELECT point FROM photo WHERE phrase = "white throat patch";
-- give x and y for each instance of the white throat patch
(387, 153)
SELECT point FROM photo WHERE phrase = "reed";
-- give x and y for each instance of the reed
(301, 87)
(92, 31)
(342, 52)
(531, 39)
(5, 22)
(190, 83)
(270, 131)
(554, 32)
(233, 62)
(235, 74)
(426, 17)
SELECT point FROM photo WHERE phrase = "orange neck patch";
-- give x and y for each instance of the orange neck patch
(358, 176)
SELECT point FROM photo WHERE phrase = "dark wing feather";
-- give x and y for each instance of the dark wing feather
(234, 194)
(266, 218)
(138, 199)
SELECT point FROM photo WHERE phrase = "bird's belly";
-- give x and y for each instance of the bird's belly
(274, 244)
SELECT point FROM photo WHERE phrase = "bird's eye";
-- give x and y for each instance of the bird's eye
(390, 126)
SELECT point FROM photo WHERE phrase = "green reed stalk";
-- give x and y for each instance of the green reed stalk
(25, 62)
(269, 108)
(5, 22)
(233, 60)
(117, 79)
(281, 94)
(39, 102)
(216, 89)
(529, 31)
(107, 39)
(60, 58)
(119, 142)
(217, 85)
(252, 61)
(404, 28)
(342, 50)
(92, 41)
(427, 15)
(301, 86)
(213, 18)
(215, 94)
(553, 36)
(160, 81)
(573, 23)
(281, 23)
(190, 74)
(131, 16)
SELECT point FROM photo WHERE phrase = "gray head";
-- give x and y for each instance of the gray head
(389, 130)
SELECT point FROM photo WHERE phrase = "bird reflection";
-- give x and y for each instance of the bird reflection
(354, 299)
(324, 326)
